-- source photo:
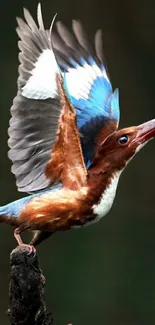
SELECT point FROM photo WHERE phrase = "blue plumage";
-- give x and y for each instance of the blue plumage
(115, 112)
(14, 208)
(100, 98)
(99, 103)
(90, 92)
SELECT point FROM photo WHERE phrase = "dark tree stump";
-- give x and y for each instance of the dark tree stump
(26, 290)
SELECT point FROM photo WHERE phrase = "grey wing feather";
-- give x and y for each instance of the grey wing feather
(34, 122)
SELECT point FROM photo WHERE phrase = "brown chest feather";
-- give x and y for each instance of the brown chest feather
(57, 210)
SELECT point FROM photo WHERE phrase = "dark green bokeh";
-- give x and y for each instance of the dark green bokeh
(103, 274)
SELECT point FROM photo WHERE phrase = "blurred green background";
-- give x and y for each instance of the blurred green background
(103, 274)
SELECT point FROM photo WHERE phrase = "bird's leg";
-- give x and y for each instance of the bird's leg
(17, 236)
(39, 236)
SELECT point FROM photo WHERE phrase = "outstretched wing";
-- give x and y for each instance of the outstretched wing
(91, 93)
(42, 116)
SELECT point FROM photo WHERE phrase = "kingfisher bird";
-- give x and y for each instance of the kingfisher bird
(66, 149)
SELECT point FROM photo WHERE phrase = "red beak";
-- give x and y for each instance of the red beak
(146, 132)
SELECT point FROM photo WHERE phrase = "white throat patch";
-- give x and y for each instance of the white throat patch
(103, 206)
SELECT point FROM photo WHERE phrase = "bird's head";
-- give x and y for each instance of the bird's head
(121, 146)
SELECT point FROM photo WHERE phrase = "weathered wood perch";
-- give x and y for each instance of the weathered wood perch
(26, 290)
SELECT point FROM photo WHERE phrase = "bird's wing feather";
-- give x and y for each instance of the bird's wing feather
(88, 84)
(66, 163)
(38, 116)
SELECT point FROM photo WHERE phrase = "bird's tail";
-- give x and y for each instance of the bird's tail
(10, 212)
(6, 217)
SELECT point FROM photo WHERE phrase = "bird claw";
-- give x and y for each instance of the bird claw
(31, 249)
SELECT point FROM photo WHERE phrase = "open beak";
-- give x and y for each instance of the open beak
(146, 132)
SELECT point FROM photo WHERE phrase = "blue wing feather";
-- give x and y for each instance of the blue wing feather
(87, 84)
(95, 107)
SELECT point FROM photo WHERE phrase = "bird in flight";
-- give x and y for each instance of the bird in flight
(65, 146)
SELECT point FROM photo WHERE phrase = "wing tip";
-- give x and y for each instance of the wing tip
(53, 21)
(99, 33)
(25, 11)
(76, 22)
(40, 17)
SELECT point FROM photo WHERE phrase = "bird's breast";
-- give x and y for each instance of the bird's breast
(104, 204)
(64, 209)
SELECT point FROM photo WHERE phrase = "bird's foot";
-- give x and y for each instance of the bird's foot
(31, 249)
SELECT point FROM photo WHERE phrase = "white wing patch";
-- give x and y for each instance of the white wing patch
(42, 83)
(79, 80)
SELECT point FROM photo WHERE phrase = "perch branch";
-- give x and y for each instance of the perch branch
(26, 290)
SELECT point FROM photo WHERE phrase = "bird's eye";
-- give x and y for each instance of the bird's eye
(123, 139)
